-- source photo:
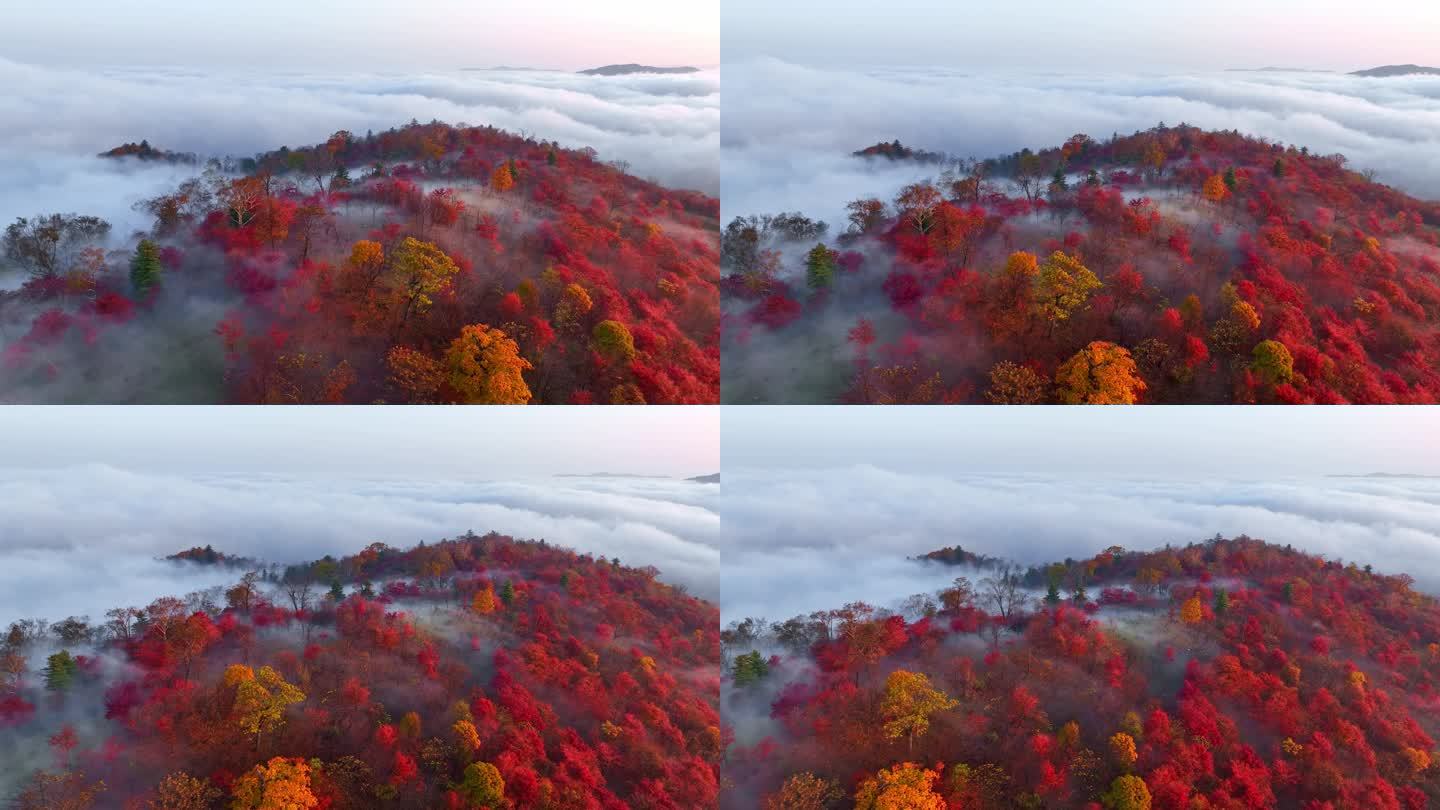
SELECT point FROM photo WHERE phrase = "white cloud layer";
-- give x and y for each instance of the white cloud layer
(787, 130)
(54, 120)
(804, 540)
(80, 540)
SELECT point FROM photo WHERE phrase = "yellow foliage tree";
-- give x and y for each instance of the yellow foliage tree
(1417, 758)
(1068, 736)
(805, 791)
(367, 258)
(1130, 724)
(236, 674)
(466, 736)
(1214, 189)
(612, 340)
(1154, 156)
(1192, 611)
(280, 784)
(1022, 264)
(484, 367)
(501, 179)
(906, 786)
(260, 699)
(1014, 384)
(1245, 315)
(1127, 793)
(415, 374)
(484, 601)
(909, 702)
(181, 791)
(1062, 286)
(1272, 362)
(418, 272)
(483, 785)
(1102, 373)
(627, 394)
(572, 308)
(1122, 747)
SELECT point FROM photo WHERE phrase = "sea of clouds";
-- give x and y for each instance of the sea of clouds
(787, 129)
(53, 121)
(797, 541)
(82, 539)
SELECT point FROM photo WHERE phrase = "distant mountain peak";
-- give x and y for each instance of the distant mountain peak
(1386, 71)
(631, 67)
(895, 150)
(144, 151)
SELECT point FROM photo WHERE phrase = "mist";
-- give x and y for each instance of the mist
(803, 540)
(788, 130)
(85, 538)
(53, 121)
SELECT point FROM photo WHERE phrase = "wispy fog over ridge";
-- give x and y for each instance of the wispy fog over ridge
(85, 538)
(811, 522)
(804, 540)
(53, 121)
(788, 129)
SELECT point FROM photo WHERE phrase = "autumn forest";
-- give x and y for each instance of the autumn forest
(1226, 674)
(477, 672)
(1173, 265)
(425, 264)
(381, 214)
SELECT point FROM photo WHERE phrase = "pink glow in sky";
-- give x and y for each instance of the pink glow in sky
(381, 34)
(1119, 35)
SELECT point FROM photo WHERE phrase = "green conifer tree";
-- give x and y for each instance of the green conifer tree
(749, 668)
(59, 671)
(819, 267)
(145, 268)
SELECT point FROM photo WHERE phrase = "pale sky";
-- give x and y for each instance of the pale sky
(1190, 441)
(362, 34)
(492, 443)
(1118, 35)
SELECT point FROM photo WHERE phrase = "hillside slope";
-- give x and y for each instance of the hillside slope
(1228, 674)
(1169, 266)
(426, 264)
(469, 673)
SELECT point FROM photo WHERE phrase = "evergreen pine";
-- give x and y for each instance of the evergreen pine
(145, 268)
(819, 267)
(59, 671)
(749, 668)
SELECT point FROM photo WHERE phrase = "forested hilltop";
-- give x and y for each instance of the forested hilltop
(1173, 265)
(1226, 674)
(479, 672)
(426, 264)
